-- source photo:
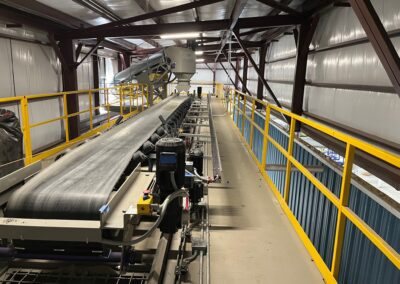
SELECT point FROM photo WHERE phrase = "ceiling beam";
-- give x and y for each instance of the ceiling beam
(202, 26)
(237, 11)
(16, 16)
(147, 8)
(260, 76)
(275, 12)
(36, 15)
(151, 15)
(281, 7)
(93, 49)
(35, 8)
(254, 31)
(109, 15)
(215, 47)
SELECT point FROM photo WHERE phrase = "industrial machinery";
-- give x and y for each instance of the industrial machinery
(100, 204)
(156, 71)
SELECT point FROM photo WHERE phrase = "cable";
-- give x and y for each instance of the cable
(191, 258)
(206, 179)
(164, 206)
(172, 176)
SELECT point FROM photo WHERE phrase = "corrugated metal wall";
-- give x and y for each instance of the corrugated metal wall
(361, 260)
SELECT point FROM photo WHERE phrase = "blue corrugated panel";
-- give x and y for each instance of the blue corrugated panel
(361, 261)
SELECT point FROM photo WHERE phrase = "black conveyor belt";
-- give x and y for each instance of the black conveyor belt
(77, 185)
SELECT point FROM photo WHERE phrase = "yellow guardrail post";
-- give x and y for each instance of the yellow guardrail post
(253, 110)
(233, 105)
(66, 125)
(107, 99)
(231, 101)
(288, 163)
(244, 110)
(26, 131)
(344, 200)
(265, 139)
(120, 101)
(137, 99)
(148, 95)
(130, 98)
(237, 107)
(90, 111)
(142, 100)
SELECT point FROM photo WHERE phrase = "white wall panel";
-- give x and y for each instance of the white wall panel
(22, 33)
(6, 75)
(84, 74)
(357, 65)
(283, 92)
(6, 72)
(281, 70)
(202, 75)
(341, 24)
(37, 70)
(374, 113)
(111, 70)
(283, 48)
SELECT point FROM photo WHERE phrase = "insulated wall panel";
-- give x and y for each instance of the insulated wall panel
(284, 48)
(84, 74)
(283, 92)
(354, 65)
(202, 75)
(37, 70)
(6, 76)
(220, 75)
(341, 25)
(6, 69)
(375, 113)
(281, 70)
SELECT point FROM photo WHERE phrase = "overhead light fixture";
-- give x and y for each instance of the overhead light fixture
(199, 52)
(180, 35)
(200, 60)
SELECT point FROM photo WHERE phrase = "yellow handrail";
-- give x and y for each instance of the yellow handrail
(236, 98)
(122, 91)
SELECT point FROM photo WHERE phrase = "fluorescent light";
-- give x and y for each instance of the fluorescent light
(180, 35)
(199, 52)
(200, 60)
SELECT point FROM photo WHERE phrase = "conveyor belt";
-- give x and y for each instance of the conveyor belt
(77, 185)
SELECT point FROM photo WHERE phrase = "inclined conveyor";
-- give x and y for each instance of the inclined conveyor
(76, 186)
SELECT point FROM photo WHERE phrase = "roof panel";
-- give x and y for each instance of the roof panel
(165, 42)
(254, 8)
(126, 9)
(218, 11)
(185, 16)
(140, 43)
(76, 10)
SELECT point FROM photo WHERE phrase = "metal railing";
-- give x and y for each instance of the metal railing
(237, 103)
(128, 99)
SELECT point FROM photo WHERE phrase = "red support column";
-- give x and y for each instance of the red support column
(70, 83)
